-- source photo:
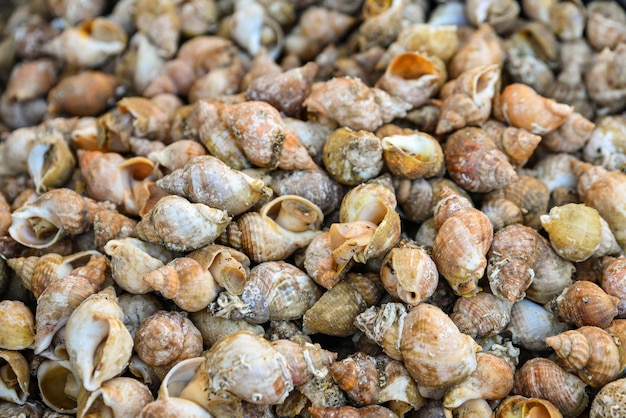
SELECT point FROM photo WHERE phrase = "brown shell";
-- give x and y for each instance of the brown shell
(518, 144)
(335, 311)
(483, 47)
(352, 157)
(585, 303)
(517, 406)
(108, 226)
(413, 155)
(482, 315)
(612, 280)
(538, 377)
(86, 94)
(475, 163)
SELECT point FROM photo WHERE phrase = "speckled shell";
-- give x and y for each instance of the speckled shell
(482, 315)
(609, 401)
(180, 225)
(335, 311)
(605, 82)
(427, 329)
(108, 226)
(167, 338)
(605, 25)
(352, 157)
(499, 14)
(598, 188)
(413, 77)
(577, 232)
(539, 376)
(136, 308)
(606, 146)
(612, 281)
(492, 379)
(409, 273)
(461, 260)
(475, 163)
(176, 155)
(97, 342)
(413, 155)
(585, 303)
(590, 352)
(470, 101)
(521, 260)
(53, 215)
(523, 107)
(326, 194)
(531, 324)
(371, 107)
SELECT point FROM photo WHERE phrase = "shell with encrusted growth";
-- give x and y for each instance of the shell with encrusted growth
(606, 146)
(352, 157)
(180, 225)
(609, 401)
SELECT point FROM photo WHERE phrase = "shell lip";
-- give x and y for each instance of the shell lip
(22, 231)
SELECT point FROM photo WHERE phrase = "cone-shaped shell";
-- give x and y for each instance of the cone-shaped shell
(207, 180)
(213, 327)
(585, 303)
(180, 225)
(523, 107)
(475, 163)
(117, 397)
(108, 226)
(186, 282)
(230, 268)
(411, 76)
(53, 215)
(427, 329)
(530, 194)
(335, 311)
(97, 342)
(590, 352)
(538, 377)
(483, 47)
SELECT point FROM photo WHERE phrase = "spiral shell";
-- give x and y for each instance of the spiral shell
(19, 324)
(517, 406)
(352, 157)
(531, 324)
(326, 194)
(462, 260)
(97, 342)
(605, 146)
(207, 180)
(53, 215)
(604, 80)
(15, 381)
(180, 225)
(537, 378)
(613, 270)
(85, 94)
(475, 163)
(120, 396)
(590, 352)
(518, 144)
(58, 386)
(214, 327)
(571, 136)
(413, 155)
(585, 303)
(483, 47)
(409, 273)
(482, 315)
(50, 162)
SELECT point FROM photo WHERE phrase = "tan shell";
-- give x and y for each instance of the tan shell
(15, 380)
(585, 303)
(606, 146)
(462, 260)
(279, 228)
(483, 47)
(523, 107)
(538, 377)
(97, 342)
(499, 14)
(590, 352)
(518, 144)
(85, 94)
(470, 102)
(120, 396)
(604, 81)
(180, 225)
(108, 226)
(413, 155)
(502, 212)
(335, 311)
(577, 232)
(371, 107)
(482, 315)
(50, 162)
(136, 308)
(517, 406)
(213, 327)
(571, 136)
(58, 386)
(207, 180)
(522, 262)
(352, 157)
(597, 188)
(167, 338)
(426, 330)
(413, 77)
(18, 324)
(53, 215)
(475, 163)
(409, 273)
(176, 155)
(612, 281)
(175, 407)
(186, 282)
(230, 268)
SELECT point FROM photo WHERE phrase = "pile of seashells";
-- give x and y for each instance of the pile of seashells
(331, 208)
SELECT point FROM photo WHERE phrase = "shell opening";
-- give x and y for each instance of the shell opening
(8, 378)
(296, 216)
(53, 384)
(42, 228)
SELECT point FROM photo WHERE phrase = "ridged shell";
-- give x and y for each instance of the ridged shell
(326, 194)
(585, 303)
(612, 281)
(475, 163)
(108, 226)
(352, 157)
(180, 225)
(483, 47)
(518, 144)
(335, 311)
(426, 330)
(531, 324)
(538, 377)
(413, 155)
(176, 155)
(207, 180)
(15, 379)
(409, 273)
(213, 327)
(609, 401)
(117, 397)
(482, 315)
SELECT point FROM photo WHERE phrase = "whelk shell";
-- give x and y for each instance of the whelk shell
(14, 377)
(413, 155)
